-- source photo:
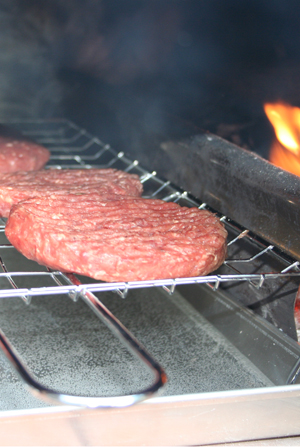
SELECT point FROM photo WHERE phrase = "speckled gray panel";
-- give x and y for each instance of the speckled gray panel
(69, 349)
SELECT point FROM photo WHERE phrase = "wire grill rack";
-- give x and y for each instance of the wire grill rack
(249, 260)
(72, 147)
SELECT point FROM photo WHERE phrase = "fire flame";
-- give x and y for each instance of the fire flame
(285, 150)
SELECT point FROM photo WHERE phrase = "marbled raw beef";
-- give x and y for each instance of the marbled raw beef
(21, 155)
(123, 239)
(24, 185)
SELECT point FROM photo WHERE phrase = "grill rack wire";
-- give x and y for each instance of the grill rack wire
(73, 147)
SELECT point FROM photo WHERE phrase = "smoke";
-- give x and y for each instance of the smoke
(28, 83)
(121, 68)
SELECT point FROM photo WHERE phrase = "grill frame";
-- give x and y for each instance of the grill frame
(221, 416)
(73, 147)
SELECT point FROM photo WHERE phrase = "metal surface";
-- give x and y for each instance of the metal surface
(55, 396)
(195, 167)
(232, 375)
(215, 393)
(72, 147)
(238, 183)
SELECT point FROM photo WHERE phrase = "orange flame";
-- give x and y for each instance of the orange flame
(285, 150)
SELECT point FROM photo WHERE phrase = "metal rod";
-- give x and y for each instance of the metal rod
(56, 396)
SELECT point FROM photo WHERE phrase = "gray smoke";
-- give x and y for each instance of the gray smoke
(121, 67)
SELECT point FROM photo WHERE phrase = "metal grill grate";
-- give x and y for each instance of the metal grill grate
(250, 259)
(73, 147)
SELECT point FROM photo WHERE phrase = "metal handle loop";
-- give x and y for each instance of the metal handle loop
(55, 396)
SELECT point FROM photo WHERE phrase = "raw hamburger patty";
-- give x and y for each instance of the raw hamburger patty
(117, 240)
(24, 185)
(19, 155)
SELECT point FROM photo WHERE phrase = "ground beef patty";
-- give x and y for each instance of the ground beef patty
(19, 155)
(24, 185)
(117, 240)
